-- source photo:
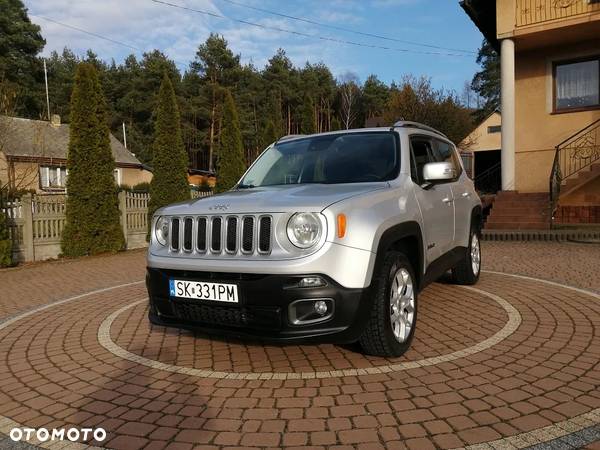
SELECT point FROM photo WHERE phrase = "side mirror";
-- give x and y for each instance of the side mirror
(438, 172)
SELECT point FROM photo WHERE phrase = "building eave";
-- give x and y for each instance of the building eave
(483, 15)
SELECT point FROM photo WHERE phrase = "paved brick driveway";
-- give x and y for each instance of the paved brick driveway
(511, 363)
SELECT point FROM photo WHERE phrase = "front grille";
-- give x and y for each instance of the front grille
(248, 234)
(230, 234)
(215, 245)
(231, 242)
(201, 235)
(212, 315)
(175, 234)
(264, 236)
(188, 225)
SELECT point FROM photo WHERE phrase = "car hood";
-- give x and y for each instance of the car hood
(273, 199)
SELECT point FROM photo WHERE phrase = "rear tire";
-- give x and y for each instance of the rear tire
(393, 315)
(468, 270)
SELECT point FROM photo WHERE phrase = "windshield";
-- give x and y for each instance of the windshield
(331, 159)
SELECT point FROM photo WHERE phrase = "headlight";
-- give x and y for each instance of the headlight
(161, 230)
(304, 229)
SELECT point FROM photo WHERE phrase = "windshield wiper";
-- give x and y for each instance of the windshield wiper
(245, 186)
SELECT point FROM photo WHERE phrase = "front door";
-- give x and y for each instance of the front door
(436, 202)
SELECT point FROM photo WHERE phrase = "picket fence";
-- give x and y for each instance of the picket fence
(36, 221)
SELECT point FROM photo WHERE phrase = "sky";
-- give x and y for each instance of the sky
(146, 25)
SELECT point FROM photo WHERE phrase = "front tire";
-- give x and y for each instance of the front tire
(468, 270)
(393, 315)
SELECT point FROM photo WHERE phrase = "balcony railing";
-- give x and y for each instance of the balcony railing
(530, 12)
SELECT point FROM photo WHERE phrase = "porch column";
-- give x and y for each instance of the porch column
(507, 100)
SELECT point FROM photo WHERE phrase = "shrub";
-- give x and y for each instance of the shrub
(141, 187)
(92, 205)
(5, 242)
(169, 183)
(231, 164)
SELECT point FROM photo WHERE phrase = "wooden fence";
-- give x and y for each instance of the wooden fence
(36, 222)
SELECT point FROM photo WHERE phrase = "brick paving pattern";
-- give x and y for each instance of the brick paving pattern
(55, 373)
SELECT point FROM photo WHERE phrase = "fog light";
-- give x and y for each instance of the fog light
(310, 311)
(311, 282)
(321, 307)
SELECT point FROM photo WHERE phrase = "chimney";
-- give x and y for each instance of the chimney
(55, 120)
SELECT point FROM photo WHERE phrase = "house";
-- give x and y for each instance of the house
(33, 156)
(480, 152)
(200, 178)
(550, 140)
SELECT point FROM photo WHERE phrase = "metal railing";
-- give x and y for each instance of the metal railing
(572, 155)
(529, 12)
(488, 181)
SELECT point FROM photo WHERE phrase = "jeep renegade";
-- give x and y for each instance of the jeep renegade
(326, 238)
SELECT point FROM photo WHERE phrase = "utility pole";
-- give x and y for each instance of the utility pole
(47, 96)
(124, 136)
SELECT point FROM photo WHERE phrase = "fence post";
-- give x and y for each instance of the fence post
(27, 205)
(123, 209)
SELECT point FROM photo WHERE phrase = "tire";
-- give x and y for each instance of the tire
(468, 270)
(378, 338)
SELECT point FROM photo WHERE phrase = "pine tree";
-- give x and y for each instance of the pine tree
(92, 206)
(487, 81)
(169, 182)
(5, 242)
(20, 43)
(269, 134)
(231, 165)
(309, 120)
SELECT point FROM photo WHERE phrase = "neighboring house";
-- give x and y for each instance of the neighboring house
(33, 156)
(198, 178)
(481, 153)
(550, 67)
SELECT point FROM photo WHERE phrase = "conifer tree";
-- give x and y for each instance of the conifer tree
(169, 160)
(231, 165)
(309, 120)
(92, 205)
(269, 134)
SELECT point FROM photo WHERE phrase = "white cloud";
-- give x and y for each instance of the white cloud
(147, 25)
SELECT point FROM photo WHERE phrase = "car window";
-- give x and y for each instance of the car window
(444, 152)
(353, 157)
(421, 153)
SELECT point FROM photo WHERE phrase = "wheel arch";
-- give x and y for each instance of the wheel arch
(477, 217)
(406, 238)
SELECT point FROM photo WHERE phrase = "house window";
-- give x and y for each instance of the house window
(53, 177)
(494, 129)
(577, 85)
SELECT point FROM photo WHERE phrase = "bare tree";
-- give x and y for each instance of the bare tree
(350, 93)
(13, 179)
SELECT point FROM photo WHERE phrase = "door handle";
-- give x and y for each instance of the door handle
(466, 194)
(447, 200)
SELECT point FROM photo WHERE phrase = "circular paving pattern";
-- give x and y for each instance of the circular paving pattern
(511, 362)
(454, 322)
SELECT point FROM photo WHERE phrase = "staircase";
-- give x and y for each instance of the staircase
(576, 163)
(512, 210)
(581, 178)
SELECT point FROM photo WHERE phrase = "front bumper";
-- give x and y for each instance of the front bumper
(263, 310)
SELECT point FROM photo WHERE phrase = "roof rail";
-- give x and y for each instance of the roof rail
(409, 124)
(289, 136)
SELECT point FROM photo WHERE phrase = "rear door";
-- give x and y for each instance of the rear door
(436, 202)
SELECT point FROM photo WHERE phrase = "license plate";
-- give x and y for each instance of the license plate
(201, 290)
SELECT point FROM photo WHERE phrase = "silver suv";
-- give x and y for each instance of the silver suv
(328, 237)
